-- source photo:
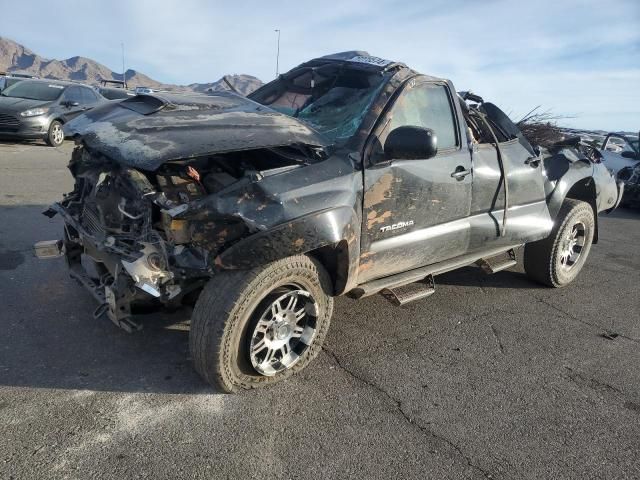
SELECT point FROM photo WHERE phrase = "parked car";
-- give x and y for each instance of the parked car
(621, 154)
(7, 82)
(114, 89)
(144, 90)
(348, 175)
(32, 109)
(631, 178)
(11, 78)
(620, 150)
(111, 93)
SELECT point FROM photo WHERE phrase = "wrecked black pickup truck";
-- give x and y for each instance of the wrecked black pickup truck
(349, 175)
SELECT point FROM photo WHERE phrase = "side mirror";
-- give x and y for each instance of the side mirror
(411, 143)
(629, 154)
(69, 104)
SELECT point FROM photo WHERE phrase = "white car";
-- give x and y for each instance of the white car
(619, 151)
(140, 90)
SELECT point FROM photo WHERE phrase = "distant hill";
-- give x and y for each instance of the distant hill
(14, 57)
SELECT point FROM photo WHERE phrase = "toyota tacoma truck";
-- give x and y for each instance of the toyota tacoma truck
(348, 175)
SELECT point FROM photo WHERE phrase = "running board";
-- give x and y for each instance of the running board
(411, 292)
(494, 264)
(415, 275)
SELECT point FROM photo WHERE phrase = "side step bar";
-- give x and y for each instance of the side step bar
(404, 278)
(494, 264)
(408, 293)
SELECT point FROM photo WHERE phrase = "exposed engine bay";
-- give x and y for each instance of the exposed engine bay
(128, 229)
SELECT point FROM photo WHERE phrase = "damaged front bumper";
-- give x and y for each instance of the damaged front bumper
(120, 278)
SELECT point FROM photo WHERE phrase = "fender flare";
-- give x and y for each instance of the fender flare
(337, 227)
(577, 182)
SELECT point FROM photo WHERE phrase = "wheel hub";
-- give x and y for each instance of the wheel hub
(571, 246)
(283, 332)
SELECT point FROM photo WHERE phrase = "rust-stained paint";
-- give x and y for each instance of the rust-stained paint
(379, 191)
(374, 219)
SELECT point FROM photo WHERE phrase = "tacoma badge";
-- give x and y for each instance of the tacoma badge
(396, 226)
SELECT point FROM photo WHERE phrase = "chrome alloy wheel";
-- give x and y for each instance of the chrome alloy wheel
(57, 135)
(284, 331)
(572, 245)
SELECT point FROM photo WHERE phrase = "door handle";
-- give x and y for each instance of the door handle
(532, 161)
(460, 173)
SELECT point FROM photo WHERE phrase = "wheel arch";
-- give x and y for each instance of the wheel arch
(330, 236)
(580, 188)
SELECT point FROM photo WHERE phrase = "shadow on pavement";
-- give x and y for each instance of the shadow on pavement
(475, 277)
(50, 338)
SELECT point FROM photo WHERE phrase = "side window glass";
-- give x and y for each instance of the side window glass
(88, 97)
(72, 94)
(426, 105)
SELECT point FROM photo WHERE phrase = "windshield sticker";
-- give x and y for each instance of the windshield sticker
(380, 62)
(56, 86)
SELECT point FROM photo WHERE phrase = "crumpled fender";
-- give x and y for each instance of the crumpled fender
(332, 227)
(562, 174)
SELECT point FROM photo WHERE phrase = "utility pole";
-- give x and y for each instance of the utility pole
(278, 53)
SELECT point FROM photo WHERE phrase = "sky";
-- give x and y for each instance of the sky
(578, 59)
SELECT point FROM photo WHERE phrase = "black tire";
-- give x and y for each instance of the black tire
(55, 137)
(545, 260)
(225, 315)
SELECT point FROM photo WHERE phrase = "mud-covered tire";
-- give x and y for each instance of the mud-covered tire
(225, 315)
(55, 135)
(544, 260)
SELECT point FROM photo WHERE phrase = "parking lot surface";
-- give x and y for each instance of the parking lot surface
(491, 377)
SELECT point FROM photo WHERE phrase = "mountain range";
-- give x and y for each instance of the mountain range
(16, 57)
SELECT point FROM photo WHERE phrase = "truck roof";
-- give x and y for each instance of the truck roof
(365, 60)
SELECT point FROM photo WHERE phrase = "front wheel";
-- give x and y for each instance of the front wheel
(55, 135)
(254, 328)
(556, 260)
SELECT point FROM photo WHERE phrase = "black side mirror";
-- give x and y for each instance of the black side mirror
(69, 104)
(411, 143)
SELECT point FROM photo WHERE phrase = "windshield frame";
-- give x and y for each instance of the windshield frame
(59, 87)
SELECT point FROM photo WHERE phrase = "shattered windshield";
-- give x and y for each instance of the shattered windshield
(332, 98)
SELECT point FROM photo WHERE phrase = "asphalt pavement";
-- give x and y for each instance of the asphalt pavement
(491, 377)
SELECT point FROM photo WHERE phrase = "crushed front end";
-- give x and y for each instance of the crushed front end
(121, 239)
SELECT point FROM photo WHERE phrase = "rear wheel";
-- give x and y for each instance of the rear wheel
(556, 260)
(55, 135)
(254, 328)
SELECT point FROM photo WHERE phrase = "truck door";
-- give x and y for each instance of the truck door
(415, 211)
(528, 217)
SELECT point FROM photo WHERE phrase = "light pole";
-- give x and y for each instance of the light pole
(124, 78)
(278, 52)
